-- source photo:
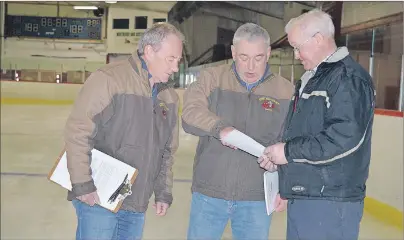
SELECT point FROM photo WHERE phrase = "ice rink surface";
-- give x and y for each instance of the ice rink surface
(34, 208)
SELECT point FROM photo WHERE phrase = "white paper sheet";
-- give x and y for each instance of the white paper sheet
(244, 142)
(108, 173)
(271, 186)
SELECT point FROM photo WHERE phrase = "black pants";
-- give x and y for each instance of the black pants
(323, 220)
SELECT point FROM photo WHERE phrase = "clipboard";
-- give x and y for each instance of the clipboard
(110, 175)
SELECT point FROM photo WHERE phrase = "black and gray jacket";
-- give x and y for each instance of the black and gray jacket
(328, 132)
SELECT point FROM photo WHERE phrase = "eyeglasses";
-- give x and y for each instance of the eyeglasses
(297, 49)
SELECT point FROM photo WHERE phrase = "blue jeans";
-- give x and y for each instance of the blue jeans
(323, 219)
(99, 223)
(209, 217)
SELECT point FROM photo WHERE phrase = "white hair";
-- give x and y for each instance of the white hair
(156, 34)
(312, 22)
(251, 31)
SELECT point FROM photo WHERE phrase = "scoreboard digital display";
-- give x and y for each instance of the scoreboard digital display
(53, 27)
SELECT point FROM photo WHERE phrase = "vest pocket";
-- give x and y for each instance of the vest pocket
(298, 179)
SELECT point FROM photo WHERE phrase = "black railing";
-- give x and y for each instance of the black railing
(204, 54)
(217, 52)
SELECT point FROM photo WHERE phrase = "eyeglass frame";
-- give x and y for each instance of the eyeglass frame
(297, 49)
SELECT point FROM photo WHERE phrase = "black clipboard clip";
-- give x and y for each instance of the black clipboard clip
(122, 191)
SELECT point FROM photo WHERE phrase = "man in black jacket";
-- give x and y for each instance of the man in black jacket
(323, 159)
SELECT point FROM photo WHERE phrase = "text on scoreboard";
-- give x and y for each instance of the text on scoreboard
(53, 27)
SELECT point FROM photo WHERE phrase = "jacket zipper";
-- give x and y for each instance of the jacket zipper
(294, 107)
(297, 95)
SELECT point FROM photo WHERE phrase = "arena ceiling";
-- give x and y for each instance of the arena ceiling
(163, 6)
(160, 6)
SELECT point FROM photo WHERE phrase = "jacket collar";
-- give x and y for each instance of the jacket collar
(140, 67)
(336, 56)
(250, 86)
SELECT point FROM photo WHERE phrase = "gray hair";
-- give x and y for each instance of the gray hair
(249, 32)
(312, 22)
(156, 34)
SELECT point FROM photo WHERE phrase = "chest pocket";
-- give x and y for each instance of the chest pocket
(314, 107)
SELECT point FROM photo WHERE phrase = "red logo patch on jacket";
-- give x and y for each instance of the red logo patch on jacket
(164, 110)
(268, 104)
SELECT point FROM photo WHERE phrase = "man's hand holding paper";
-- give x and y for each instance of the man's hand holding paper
(223, 136)
(268, 158)
(276, 154)
(265, 162)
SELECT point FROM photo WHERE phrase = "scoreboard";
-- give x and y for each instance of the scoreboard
(53, 27)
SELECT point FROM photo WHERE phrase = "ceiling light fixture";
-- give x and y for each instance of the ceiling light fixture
(85, 7)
